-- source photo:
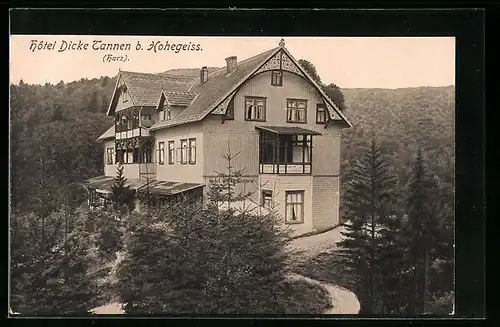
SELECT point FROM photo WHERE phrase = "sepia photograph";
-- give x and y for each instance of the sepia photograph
(231, 175)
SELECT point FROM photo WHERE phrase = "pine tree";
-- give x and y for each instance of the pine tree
(222, 190)
(121, 194)
(421, 230)
(57, 281)
(368, 204)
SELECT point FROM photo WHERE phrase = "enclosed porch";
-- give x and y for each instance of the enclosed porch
(285, 150)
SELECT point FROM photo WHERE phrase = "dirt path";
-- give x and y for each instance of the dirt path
(310, 246)
(343, 301)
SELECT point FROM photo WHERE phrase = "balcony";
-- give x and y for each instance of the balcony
(285, 150)
(136, 132)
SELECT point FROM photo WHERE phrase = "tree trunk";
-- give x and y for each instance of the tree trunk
(426, 279)
(415, 285)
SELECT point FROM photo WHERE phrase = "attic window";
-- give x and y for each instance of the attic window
(125, 95)
(276, 78)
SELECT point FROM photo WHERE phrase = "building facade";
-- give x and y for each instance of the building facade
(171, 132)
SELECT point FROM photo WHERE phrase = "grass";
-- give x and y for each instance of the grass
(300, 297)
(326, 267)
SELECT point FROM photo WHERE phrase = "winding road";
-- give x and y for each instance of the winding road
(343, 300)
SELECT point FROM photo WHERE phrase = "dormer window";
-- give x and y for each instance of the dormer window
(165, 113)
(125, 95)
(277, 78)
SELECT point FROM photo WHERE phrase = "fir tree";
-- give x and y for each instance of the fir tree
(57, 281)
(368, 205)
(421, 230)
(121, 194)
(222, 190)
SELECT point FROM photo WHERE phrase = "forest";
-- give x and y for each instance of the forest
(397, 168)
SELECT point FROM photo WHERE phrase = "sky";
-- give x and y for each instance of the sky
(349, 62)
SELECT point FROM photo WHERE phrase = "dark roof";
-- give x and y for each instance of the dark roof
(144, 88)
(179, 98)
(287, 130)
(218, 86)
(156, 187)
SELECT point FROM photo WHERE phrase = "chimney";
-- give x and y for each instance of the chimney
(231, 63)
(203, 74)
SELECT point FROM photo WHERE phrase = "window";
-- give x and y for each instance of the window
(167, 113)
(146, 116)
(161, 153)
(296, 111)
(125, 95)
(171, 151)
(320, 113)
(119, 156)
(267, 199)
(146, 155)
(294, 207)
(135, 155)
(255, 108)
(184, 151)
(192, 151)
(109, 156)
(277, 78)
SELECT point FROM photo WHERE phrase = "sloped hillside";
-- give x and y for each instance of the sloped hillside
(403, 120)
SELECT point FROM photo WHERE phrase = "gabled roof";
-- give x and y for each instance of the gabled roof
(202, 99)
(179, 98)
(218, 86)
(144, 88)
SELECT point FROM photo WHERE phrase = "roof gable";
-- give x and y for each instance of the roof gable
(216, 93)
(216, 89)
(144, 88)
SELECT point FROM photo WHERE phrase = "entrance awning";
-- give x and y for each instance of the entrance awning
(100, 182)
(170, 188)
(287, 130)
(156, 187)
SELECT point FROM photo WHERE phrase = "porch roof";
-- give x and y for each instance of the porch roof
(287, 130)
(156, 187)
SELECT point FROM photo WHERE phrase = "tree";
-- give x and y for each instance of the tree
(109, 234)
(331, 90)
(121, 194)
(57, 281)
(311, 70)
(421, 230)
(368, 205)
(94, 102)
